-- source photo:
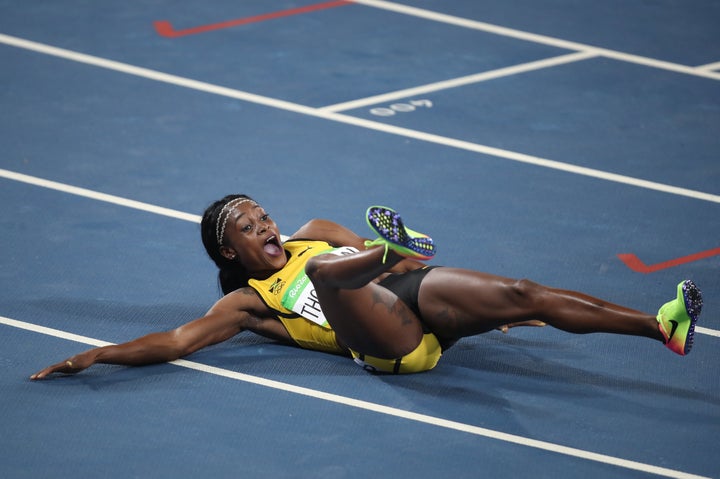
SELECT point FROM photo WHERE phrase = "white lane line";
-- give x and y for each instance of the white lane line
(53, 332)
(475, 25)
(708, 331)
(349, 120)
(117, 200)
(379, 408)
(461, 81)
(535, 38)
(709, 66)
(153, 75)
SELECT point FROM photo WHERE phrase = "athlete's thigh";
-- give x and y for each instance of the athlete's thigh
(371, 320)
(456, 302)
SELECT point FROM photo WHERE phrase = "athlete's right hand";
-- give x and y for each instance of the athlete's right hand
(71, 365)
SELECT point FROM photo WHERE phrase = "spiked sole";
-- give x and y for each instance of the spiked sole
(387, 223)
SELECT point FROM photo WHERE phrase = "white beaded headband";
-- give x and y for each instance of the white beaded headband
(222, 222)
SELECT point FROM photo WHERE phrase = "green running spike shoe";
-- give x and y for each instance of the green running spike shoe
(396, 236)
(677, 318)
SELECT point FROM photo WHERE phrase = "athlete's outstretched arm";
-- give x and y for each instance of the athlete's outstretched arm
(226, 319)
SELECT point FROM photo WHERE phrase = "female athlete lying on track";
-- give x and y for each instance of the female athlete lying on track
(379, 304)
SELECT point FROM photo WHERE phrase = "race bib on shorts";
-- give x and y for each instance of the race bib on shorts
(300, 296)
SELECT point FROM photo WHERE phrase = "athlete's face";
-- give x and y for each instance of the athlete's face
(253, 238)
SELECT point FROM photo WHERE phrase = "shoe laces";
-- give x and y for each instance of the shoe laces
(379, 242)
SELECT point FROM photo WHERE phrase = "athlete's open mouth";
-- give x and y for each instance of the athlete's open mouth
(272, 246)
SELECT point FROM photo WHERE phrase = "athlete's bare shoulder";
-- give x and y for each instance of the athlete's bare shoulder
(251, 311)
(333, 233)
(242, 300)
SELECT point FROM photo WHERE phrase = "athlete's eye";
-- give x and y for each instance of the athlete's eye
(265, 217)
(247, 228)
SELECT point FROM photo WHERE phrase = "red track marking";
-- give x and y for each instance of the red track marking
(634, 263)
(166, 29)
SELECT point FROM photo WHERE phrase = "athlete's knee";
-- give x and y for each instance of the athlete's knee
(527, 294)
(524, 287)
(314, 269)
(321, 271)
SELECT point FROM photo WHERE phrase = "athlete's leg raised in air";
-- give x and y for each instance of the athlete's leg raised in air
(456, 303)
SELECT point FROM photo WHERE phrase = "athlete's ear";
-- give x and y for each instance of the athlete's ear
(228, 253)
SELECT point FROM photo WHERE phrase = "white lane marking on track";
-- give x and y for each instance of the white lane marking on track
(349, 120)
(461, 81)
(379, 408)
(709, 66)
(117, 200)
(535, 38)
(94, 195)
(708, 331)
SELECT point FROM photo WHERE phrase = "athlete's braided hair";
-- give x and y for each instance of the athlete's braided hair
(231, 275)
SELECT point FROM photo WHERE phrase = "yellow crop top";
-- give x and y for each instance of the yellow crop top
(291, 295)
